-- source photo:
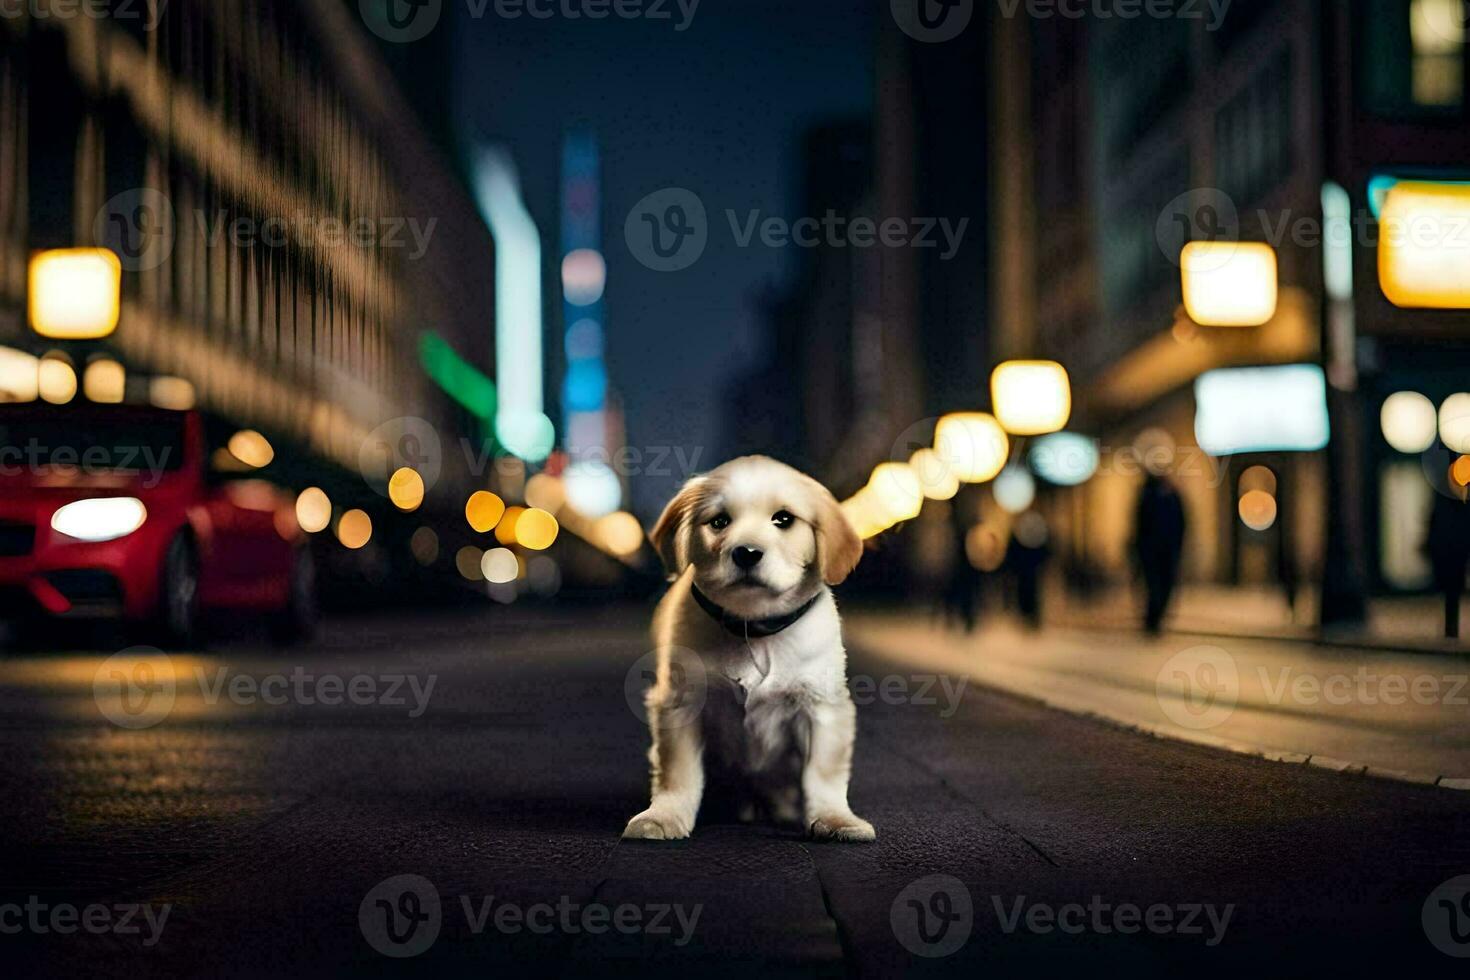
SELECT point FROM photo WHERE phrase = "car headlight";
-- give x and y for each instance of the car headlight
(103, 519)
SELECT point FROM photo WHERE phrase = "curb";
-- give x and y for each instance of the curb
(1207, 740)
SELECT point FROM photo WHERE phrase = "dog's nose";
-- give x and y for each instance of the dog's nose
(746, 558)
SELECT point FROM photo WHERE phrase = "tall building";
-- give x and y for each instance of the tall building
(292, 242)
(1117, 141)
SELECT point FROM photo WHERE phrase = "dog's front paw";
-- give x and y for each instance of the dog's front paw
(843, 827)
(656, 825)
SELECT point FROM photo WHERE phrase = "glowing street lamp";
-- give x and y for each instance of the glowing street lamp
(973, 445)
(936, 479)
(1229, 284)
(1409, 422)
(1031, 398)
(75, 293)
(896, 491)
(1423, 259)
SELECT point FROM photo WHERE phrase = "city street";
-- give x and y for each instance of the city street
(258, 815)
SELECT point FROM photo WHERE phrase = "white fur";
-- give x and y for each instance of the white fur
(773, 710)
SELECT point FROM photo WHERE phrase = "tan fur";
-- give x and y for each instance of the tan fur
(742, 700)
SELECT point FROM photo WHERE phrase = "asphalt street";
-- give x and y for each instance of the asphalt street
(454, 786)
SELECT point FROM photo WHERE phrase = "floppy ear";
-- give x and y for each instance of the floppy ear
(670, 533)
(839, 548)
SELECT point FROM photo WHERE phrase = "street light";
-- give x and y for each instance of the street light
(1031, 398)
(1423, 258)
(936, 479)
(973, 445)
(1229, 284)
(75, 293)
(897, 492)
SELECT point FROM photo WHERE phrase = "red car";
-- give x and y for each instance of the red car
(115, 511)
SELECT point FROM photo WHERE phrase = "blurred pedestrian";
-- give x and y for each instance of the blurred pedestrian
(1448, 545)
(1158, 545)
(1026, 557)
(962, 594)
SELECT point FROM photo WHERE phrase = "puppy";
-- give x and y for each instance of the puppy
(751, 681)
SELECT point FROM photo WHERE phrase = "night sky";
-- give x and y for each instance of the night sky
(719, 109)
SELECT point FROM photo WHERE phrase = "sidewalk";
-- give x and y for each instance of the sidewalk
(1401, 623)
(1395, 715)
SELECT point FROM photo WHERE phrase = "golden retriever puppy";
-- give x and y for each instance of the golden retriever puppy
(751, 683)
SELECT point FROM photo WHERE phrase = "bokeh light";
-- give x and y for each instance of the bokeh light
(313, 510)
(896, 490)
(1454, 422)
(619, 533)
(1031, 398)
(251, 448)
(104, 382)
(425, 546)
(593, 489)
(484, 510)
(354, 529)
(173, 394)
(583, 276)
(1014, 490)
(1257, 510)
(406, 489)
(467, 562)
(500, 566)
(56, 381)
(1409, 422)
(536, 529)
(973, 445)
(505, 531)
(936, 479)
(546, 491)
(1064, 459)
(1229, 284)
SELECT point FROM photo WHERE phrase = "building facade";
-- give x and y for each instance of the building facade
(1118, 141)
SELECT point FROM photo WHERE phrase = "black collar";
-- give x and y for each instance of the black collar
(751, 629)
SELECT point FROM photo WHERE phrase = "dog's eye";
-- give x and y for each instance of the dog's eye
(720, 521)
(783, 519)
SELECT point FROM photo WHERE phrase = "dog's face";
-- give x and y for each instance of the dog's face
(761, 536)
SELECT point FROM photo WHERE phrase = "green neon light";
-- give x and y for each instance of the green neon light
(460, 379)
